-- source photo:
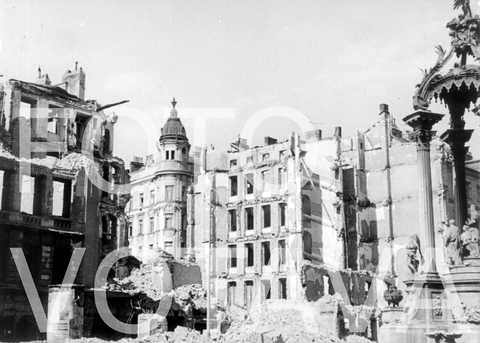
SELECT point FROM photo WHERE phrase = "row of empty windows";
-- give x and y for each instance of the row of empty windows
(266, 214)
(266, 181)
(168, 195)
(249, 256)
(32, 189)
(248, 293)
(168, 224)
(264, 158)
(170, 154)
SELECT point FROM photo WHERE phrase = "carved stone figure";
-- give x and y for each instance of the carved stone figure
(470, 240)
(71, 132)
(472, 314)
(393, 295)
(453, 244)
(414, 251)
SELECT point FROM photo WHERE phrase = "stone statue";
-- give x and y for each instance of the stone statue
(413, 251)
(470, 240)
(72, 134)
(393, 295)
(465, 5)
(453, 244)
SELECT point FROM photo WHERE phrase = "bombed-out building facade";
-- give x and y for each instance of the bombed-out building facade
(57, 184)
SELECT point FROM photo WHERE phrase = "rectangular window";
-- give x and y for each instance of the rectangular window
(167, 155)
(130, 230)
(249, 222)
(232, 219)
(233, 163)
(283, 213)
(266, 253)
(282, 252)
(140, 226)
(169, 193)
(233, 186)
(249, 253)
(267, 289)
(152, 224)
(282, 291)
(266, 216)
(232, 256)
(152, 196)
(249, 183)
(231, 290)
(172, 154)
(52, 125)
(264, 176)
(2, 177)
(140, 200)
(248, 292)
(25, 110)
(58, 193)
(27, 194)
(168, 222)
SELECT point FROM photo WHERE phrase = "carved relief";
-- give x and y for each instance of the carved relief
(453, 244)
(414, 254)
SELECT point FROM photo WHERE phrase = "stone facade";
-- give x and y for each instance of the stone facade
(268, 212)
(54, 148)
(157, 210)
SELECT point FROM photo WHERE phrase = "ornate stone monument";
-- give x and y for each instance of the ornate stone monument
(444, 308)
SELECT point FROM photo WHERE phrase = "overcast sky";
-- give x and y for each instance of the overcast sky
(333, 61)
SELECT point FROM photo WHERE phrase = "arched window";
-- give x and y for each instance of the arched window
(306, 205)
(184, 154)
(307, 244)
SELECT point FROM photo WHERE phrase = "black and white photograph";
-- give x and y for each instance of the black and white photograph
(240, 171)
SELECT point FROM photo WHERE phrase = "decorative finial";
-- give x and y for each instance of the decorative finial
(465, 5)
(174, 103)
(76, 65)
(39, 72)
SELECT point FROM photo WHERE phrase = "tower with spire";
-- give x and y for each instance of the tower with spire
(158, 214)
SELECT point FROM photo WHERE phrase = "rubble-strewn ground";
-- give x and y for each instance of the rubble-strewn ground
(277, 321)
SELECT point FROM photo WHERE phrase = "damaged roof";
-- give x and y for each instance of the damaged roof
(52, 92)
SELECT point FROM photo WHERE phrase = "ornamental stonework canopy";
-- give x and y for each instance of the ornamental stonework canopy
(460, 85)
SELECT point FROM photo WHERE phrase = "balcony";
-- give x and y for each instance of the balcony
(36, 222)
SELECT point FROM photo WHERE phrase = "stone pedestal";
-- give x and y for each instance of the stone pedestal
(65, 312)
(151, 323)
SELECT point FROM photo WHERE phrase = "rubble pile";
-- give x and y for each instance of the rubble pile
(279, 321)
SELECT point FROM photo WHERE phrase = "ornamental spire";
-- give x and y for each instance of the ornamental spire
(173, 112)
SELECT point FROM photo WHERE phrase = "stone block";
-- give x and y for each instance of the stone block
(151, 323)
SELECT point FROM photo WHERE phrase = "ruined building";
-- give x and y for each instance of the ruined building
(157, 210)
(382, 199)
(274, 218)
(57, 174)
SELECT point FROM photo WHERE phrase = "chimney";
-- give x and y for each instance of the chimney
(313, 136)
(270, 140)
(43, 79)
(75, 82)
(383, 109)
(136, 164)
(338, 132)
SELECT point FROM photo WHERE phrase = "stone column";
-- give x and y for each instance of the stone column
(456, 139)
(190, 224)
(422, 122)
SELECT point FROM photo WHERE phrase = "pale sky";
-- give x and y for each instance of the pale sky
(333, 61)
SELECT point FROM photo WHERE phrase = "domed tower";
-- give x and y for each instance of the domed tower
(174, 176)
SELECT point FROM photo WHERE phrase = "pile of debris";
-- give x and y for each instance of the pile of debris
(284, 321)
